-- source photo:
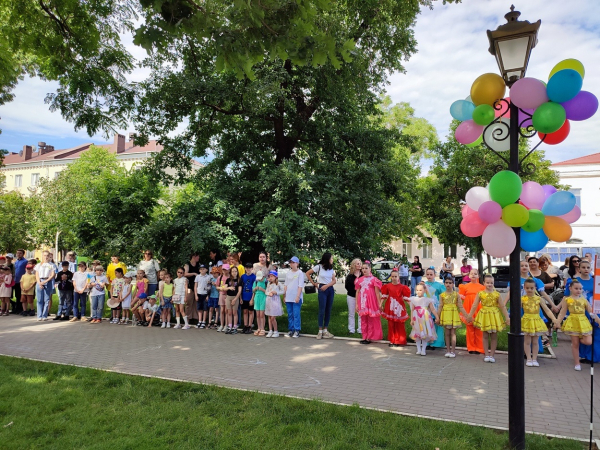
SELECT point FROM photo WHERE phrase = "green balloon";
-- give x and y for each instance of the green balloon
(549, 117)
(535, 222)
(505, 188)
(515, 215)
(483, 115)
(477, 142)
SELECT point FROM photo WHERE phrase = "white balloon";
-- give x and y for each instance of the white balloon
(498, 240)
(476, 196)
(496, 135)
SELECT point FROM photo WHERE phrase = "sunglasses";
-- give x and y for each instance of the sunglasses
(576, 260)
(179, 272)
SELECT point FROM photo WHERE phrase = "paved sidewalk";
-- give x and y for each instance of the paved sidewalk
(463, 389)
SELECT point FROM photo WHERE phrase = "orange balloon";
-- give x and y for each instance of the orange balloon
(557, 229)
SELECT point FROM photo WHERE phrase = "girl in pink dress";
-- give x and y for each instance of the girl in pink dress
(368, 304)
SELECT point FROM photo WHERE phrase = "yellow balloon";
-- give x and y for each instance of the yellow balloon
(487, 88)
(568, 64)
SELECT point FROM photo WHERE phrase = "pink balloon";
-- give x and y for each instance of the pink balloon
(466, 211)
(532, 195)
(548, 190)
(572, 216)
(528, 93)
(472, 226)
(504, 109)
(499, 240)
(468, 132)
(490, 212)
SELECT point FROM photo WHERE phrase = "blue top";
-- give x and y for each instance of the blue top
(247, 282)
(19, 269)
(213, 288)
(539, 285)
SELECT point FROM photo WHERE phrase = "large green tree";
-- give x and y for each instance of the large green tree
(15, 214)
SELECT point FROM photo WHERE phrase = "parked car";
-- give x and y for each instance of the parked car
(384, 269)
(501, 275)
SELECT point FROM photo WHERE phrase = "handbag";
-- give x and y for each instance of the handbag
(310, 289)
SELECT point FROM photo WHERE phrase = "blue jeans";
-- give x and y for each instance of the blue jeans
(325, 304)
(293, 311)
(413, 284)
(79, 300)
(44, 295)
(65, 303)
(97, 306)
(152, 288)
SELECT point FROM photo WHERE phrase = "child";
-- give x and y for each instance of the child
(6, 289)
(422, 311)
(448, 318)
(234, 290)
(202, 285)
(395, 310)
(532, 324)
(222, 288)
(126, 297)
(489, 320)
(294, 283)
(248, 280)
(28, 289)
(213, 298)
(433, 290)
(141, 284)
(138, 310)
(468, 292)
(99, 282)
(64, 283)
(117, 288)
(273, 307)
(577, 324)
(151, 307)
(180, 284)
(259, 288)
(165, 294)
(80, 292)
(368, 304)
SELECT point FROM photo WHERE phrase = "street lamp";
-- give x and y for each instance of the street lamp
(511, 44)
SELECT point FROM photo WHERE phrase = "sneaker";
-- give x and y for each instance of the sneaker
(486, 359)
(219, 329)
(296, 334)
(327, 335)
(178, 326)
(234, 331)
(493, 360)
(276, 334)
(320, 335)
(290, 333)
(418, 352)
(198, 325)
(163, 325)
(423, 352)
(32, 313)
(89, 319)
(269, 334)
(452, 355)
(56, 317)
(45, 319)
(74, 319)
(40, 319)
(578, 368)
(529, 363)
(447, 355)
(65, 318)
(535, 363)
(168, 324)
(185, 327)
(202, 325)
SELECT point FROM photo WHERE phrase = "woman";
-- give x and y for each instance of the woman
(468, 292)
(355, 273)
(447, 267)
(44, 277)
(572, 271)
(552, 271)
(263, 264)
(150, 267)
(191, 270)
(416, 273)
(465, 270)
(325, 282)
(215, 258)
(536, 272)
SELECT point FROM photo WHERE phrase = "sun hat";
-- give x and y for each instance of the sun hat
(129, 275)
(113, 302)
(259, 275)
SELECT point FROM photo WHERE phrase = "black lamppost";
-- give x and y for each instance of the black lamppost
(511, 44)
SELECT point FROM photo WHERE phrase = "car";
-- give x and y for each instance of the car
(384, 269)
(501, 275)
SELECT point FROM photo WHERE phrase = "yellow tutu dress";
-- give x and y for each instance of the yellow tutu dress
(577, 324)
(531, 322)
(449, 317)
(489, 318)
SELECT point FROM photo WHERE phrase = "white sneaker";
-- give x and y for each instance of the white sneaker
(163, 325)
(185, 327)
(178, 326)
(276, 334)
(535, 363)
(269, 334)
(168, 324)
(452, 355)
(418, 352)
(296, 334)
(529, 363)
(493, 360)
(40, 319)
(220, 328)
(447, 355)
(486, 359)
(578, 368)
(423, 352)
(320, 335)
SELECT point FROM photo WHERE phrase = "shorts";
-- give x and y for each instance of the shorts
(222, 300)
(168, 303)
(213, 302)
(231, 302)
(247, 305)
(202, 304)
(178, 299)
(26, 298)
(118, 308)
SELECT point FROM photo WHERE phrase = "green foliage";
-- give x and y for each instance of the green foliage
(14, 222)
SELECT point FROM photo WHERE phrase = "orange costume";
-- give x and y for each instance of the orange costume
(474, 336)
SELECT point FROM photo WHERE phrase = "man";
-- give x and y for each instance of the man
(20, 269)
(71, 259)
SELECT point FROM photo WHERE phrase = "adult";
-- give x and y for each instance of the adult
(355, 273)
(72, 259)
(465, 270)
(325, 282)
(215, 257)
(263, 264)
(191, 271)
(16, 306)
(234, 261)
(403, 271)
(150, 267)
(447, 267)
(589, 258)
(536, 272)
(565, 265)
(20, 269)
(416, 273)
(115, 263)
(44, 277)
(468, 292)
(573, 269)
(552, 271)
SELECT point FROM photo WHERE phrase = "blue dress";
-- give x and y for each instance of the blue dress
(435, 290)
(585, 351)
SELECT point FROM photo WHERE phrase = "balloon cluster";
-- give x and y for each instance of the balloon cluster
(546, 107)
(542, 213)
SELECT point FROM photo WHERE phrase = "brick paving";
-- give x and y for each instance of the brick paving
(394, 379)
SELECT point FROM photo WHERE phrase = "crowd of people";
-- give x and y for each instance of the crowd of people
(232, 298)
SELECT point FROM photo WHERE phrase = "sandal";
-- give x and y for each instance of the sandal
(261, 333)
(256, 333)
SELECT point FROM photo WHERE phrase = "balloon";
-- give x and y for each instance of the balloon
(476, 143)
(472, 226)
(532, 195)
(468, 132)
(564, 85)
(498, 240)
(483, 115)
(568, 64)
(558, 136)
(548, 190)
(465, 211)
(557, 229)
(528, 93)
(558, 204)
(504, 110)
(490, 212)
(533, 242)
(535, 222)
(496, 135)
(487, 88)
(505, 187)
(549, 117)
(515, 215)
(570, 217)
(525, 117)
(462, 110)
(476, 196)
(583, 106)
(468, 98)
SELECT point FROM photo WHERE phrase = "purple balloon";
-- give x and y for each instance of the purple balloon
(548, 190)
(583, 106)
(524, 119)
(490, 212)
(528, 93)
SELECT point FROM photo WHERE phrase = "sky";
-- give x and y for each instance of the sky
(452, 53)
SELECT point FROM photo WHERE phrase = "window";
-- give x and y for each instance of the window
(18, 180)
(450, 250)
(56, 174)
(427, 248)
(577, 194)
(35, 179)
(407, 249)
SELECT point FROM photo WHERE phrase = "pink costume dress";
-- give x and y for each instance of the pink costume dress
(423, 327)
(367, 307)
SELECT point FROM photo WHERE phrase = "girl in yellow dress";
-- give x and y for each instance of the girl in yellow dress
(489, 320)
(577, 324)
(532, 324)
(447, 317)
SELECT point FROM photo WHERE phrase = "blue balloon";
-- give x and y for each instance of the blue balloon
(462, 110)
(533, 242)
(559, 203)
(564, 85)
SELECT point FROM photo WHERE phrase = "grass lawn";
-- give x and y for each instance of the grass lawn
(54, 406)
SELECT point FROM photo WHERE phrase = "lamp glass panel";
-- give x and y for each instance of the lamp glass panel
(513, 52)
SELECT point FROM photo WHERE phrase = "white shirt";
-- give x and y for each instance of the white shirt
(150, 268)
(403, 270)
(323, 276)
(293, 281)
(44, 270)
(79, 280)
(202, 281)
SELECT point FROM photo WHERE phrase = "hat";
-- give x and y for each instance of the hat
(65, 263)
(202, 266)
(272, 272)
(153, 296)
(294, 259)
(113, 302)
(143, 295)
(29, 266)
(10, 255)
(259, 275)
(2, 257)
(225, 267)
(129, 275)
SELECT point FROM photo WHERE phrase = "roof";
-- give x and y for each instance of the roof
(589, 159)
